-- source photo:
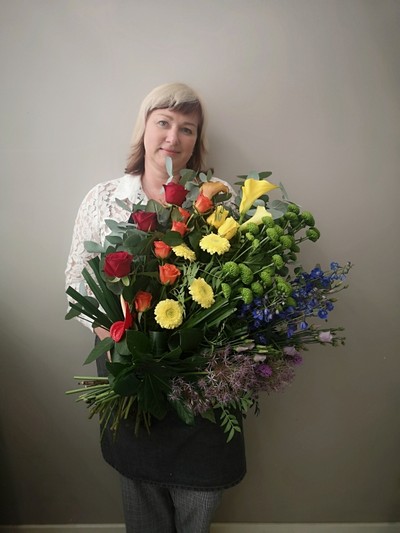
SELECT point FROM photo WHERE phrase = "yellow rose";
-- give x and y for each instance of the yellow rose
(211, 188)
(253, 189)
(260, 213)
(218, 217)
(229, 228)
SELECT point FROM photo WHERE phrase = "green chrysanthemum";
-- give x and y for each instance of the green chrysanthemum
(247, 295)
(246, 274)
(184, 251)
(214, 244)
(313, 234)
(308, 218)
(226, 290)
(231, 270)
(257, 288)
(278, 261)
(202, 293)
(168, 314)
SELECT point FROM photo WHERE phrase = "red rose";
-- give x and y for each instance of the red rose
(184, 214)
(142, 301)
(175, 193)
(117, 330)
(118, 264)
(145, 220)
(180, 227)
(161, 250)
(169, 274)
(203, 204)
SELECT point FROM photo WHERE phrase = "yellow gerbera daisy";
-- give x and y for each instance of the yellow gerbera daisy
(202, 293)
(169, 314)
(214, 244)
(184, 251)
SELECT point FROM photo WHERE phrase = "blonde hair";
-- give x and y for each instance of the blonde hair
(177, 97)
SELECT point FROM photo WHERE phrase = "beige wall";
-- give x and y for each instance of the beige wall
(306, 88)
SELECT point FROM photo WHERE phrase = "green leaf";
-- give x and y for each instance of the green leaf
(114, 239)
(126, 383)
(72, 313)
(265, 175)
(101, 347)
(209, 415)
(187, 339)
(112, 224)
(93, 247)
(123, 204)
(138, 343)
(172, 238)
(184, 413)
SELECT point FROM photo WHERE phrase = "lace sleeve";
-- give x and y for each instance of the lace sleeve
(86, 228)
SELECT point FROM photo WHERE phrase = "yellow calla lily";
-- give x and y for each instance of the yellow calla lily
(253, 189)
(229, 228)
(211, 188)
(218, 217)
(260, 213)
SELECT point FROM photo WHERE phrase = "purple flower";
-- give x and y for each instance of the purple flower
(325, 336)
(290, 350)
(264, 370)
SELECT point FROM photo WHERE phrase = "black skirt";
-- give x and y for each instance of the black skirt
(175, 454)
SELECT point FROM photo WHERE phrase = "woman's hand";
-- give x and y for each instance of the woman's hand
(103, 334)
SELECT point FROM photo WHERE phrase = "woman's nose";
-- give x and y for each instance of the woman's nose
(172, 135)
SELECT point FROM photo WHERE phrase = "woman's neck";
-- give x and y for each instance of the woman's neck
(152, 184)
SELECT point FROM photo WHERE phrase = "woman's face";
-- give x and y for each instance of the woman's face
(169, 133)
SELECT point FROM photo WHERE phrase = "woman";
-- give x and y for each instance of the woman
(173, 478)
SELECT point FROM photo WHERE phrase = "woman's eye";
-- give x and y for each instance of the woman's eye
(162, 123)
(187, 131)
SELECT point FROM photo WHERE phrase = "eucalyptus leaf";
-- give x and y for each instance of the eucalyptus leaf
(169, 166)
(112, 224)
(279, 205)
(123, 204)
(264, 175)
(93, 247)
(114, 239)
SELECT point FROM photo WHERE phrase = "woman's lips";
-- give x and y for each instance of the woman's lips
(169, 151)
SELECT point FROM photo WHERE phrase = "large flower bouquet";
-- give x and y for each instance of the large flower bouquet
(205, 301)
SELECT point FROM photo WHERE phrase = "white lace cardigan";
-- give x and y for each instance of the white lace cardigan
(99, 204)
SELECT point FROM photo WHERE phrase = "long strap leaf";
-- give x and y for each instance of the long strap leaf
(87, 308)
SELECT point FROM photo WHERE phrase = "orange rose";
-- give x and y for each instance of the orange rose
(180, 227)
(161, 249)
(168, 274)
(142, 301)
(203, 203)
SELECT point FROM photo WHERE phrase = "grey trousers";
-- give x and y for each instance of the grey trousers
(149, 508)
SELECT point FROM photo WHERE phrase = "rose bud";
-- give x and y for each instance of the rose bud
(175, 193)
(118, 264)
(161, 249)
(144, 220)
(203, 204)
(168, 274)
(184, 214)
(142, 301)
(180, 227)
